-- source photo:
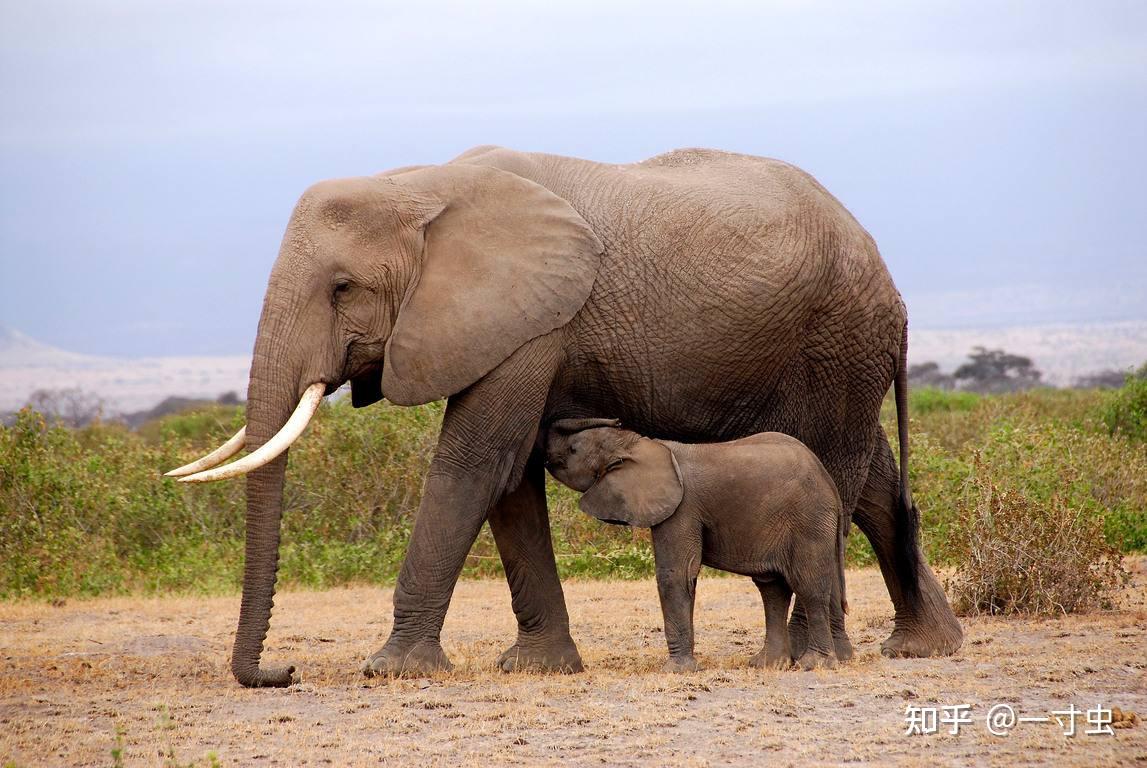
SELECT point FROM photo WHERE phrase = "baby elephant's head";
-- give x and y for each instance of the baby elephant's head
(626, 478)
(578, 451)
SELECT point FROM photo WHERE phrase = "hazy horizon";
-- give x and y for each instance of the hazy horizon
(151, 154)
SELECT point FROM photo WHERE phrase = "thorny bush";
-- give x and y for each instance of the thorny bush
(1015, 554)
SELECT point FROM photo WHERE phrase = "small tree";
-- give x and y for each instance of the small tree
(70, 406)
(993, 371)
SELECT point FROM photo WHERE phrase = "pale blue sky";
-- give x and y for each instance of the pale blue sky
(150, 152)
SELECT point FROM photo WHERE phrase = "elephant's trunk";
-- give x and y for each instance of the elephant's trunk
(264, 512)
(272, 394)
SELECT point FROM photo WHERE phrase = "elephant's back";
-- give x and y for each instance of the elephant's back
(762, 195)
(763, 490)
(724, 278)
(763, 179)
(775, 458)
(704, 212)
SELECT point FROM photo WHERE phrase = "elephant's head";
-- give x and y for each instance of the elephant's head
(627, 479)
(411, 285)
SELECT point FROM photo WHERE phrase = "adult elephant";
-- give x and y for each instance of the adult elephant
(699, 295)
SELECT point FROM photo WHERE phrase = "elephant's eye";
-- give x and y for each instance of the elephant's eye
(573, 450)
(341, 287)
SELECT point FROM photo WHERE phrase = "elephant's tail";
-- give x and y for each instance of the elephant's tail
(840, 546)
(907, 514)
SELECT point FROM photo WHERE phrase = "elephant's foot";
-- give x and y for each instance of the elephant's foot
(914, 641)
(680, 664)
(842, 647)
(552, 656)
(416, 660)
(930, 630)
(772, 659)
(811, 659)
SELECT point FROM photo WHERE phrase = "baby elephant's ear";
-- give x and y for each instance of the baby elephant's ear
(644, 489)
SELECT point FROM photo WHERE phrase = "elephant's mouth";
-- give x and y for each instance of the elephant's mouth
(613, 522)
(366, 386)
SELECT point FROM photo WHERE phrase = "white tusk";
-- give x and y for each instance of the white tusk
(216, 457)
(308, 404)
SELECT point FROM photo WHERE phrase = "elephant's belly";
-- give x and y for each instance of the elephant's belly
(694, 395)
(745, 555)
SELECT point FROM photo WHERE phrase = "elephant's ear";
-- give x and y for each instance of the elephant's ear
(642, 490)
(505, 261)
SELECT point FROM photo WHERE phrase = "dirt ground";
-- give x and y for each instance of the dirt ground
(149, 677)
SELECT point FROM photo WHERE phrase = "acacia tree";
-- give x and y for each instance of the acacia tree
(992, 371)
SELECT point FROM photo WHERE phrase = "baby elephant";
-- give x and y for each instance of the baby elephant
(762, 506)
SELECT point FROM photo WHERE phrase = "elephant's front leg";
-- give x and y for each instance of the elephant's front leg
(521, 528)
(449, 518)
(487, 435)
(677, 557)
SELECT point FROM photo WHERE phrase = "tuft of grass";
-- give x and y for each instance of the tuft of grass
(117, 750)
(1015, 554)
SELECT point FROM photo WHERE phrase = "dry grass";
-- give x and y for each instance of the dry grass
(155, 670)
(1015, 554)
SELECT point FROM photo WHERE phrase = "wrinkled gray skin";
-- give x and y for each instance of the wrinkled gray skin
(762, 506)
(699, 296)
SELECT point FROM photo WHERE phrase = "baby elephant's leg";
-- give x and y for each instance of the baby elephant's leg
(677, 553)
(776, 595)
(819, 652)
(840, 642)
(813, 580)
(798, 631)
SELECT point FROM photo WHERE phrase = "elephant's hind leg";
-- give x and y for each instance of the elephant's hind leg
(925, 624)
(521, 528)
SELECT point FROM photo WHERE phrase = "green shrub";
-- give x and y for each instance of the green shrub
(1126, 414)
(86, 512)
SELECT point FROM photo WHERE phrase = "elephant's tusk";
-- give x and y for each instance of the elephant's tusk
(216, 457)
(308, 404)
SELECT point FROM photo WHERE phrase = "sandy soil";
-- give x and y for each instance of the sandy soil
(155, 671)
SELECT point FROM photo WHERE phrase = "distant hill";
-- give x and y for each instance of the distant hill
(20, 351)
(124, 384)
